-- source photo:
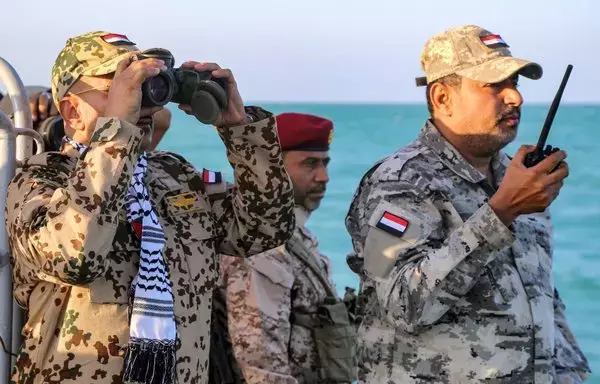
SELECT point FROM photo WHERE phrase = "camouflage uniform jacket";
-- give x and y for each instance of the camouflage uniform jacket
(74, 254)
(455, 296)
(261, 293)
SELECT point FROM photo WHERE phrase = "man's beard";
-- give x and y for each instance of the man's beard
(490, 144)
(308, 199)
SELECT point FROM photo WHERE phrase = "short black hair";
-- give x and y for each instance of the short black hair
(452, 80)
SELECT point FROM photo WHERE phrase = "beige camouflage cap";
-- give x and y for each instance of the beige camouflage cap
(473, 52)
(91, 54)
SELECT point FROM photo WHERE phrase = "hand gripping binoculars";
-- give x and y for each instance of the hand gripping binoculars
(206, 95)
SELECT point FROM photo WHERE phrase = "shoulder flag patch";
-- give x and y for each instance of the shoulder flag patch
(493, 41)
(392, 224)
(210, 177)
(114, 38)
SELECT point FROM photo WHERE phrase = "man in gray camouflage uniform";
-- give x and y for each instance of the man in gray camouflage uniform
(452, 238)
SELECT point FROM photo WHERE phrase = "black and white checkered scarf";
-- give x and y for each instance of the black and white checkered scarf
(150, 356)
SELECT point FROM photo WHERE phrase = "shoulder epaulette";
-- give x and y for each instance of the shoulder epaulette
(166, 155)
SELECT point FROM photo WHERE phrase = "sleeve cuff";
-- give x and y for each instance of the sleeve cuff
(258, 116)
(257, 113)
(262, 125)
(486, 223)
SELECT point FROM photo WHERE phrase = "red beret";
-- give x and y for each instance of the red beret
(303, 132)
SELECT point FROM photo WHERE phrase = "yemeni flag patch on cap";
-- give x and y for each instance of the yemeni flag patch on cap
(493, 41)
(114, 38)
(392, 224)
(210, 177)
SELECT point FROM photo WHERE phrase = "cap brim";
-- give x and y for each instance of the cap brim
(501, 68)
(107, 67)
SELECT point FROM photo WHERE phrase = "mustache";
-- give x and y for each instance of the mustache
(319, 189)
(510, 113)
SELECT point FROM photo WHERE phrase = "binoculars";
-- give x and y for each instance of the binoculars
(205, 94)
(51, 129)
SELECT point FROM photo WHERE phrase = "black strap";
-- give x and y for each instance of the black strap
(297, 248)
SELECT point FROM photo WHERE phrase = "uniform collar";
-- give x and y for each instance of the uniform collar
(301, 232)
(69, 150)
(302, 216)
(431, 137)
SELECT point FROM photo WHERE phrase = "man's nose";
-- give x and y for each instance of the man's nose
(322, 175)
(513, 97)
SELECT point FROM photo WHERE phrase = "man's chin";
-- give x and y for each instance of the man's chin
(311, 204)
(506, 139)
(507, 132)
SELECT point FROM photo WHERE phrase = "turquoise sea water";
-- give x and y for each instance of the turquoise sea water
(366, 132)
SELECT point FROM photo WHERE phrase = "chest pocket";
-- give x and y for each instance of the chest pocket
(489, 292)
(113, 286)
(193, 235)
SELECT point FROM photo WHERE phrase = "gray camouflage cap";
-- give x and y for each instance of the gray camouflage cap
(91, 54)
(473, 52)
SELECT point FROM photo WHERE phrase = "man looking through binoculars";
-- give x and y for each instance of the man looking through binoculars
(114, 248)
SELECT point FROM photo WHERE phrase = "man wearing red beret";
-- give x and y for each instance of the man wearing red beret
(277, 300)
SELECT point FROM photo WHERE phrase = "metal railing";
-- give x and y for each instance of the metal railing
(15, 146)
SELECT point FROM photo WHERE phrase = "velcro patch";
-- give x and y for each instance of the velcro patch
(493, 41)
(210, 177)
(392, 224)
(116, 39)
(186, 202)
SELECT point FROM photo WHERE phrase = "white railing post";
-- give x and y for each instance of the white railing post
(7, 169)
(15, 147)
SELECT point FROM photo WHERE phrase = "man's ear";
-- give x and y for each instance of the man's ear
(440, 95)
(69, 110)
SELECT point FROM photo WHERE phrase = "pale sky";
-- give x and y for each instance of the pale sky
(316, 50)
